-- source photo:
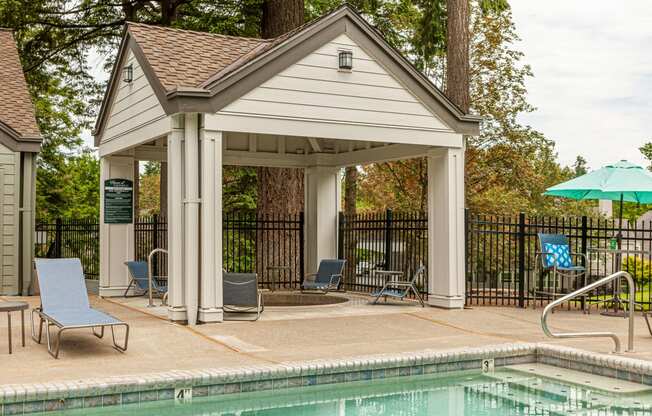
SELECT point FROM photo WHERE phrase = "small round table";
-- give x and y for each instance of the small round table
(10, 307)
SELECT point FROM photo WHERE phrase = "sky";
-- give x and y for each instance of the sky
(592, 85)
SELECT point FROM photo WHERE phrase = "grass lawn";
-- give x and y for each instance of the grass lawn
(642, 297)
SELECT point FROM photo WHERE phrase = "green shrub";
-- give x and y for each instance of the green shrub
(640, 269)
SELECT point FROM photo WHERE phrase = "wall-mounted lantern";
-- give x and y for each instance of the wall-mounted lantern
(345, 60)
(128, 74)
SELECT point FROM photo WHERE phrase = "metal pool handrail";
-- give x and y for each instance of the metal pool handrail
(588, 288)
(149, 272)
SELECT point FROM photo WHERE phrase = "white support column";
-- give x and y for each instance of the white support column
(116, 240)
(322, 203)
(210, 301)
(446, 228)
(191, 216)
(27, 221)
(176, 285)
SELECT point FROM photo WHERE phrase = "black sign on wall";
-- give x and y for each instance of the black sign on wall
(118, 201)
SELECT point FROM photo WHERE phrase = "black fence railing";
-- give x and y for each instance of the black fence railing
(500, 251)
(151, 232)
(271, 245)
(502, 262)
(71, 238)
(382, 241)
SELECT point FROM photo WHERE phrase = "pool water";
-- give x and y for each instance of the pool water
(505, 392)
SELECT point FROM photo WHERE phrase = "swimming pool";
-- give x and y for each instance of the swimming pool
(507, 391)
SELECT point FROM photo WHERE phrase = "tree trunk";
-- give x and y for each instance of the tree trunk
(280, 190)
(281, 16)
(457, 54)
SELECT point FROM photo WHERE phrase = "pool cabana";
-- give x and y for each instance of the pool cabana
(330, 94)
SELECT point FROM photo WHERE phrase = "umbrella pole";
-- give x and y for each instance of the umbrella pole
(619, 258)
(619, 236)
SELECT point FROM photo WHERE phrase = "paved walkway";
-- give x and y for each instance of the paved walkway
(293, 334)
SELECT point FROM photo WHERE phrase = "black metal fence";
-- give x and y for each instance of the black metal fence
(271, 245)
(382, 241)
(71, 238)
(151, 232)
(500, 251)
(501, 259)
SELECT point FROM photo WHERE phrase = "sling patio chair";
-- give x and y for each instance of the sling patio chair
(328, 277)
(399, 289)
(241, 294)
(64, 304)
(139, 272)
(557, 260)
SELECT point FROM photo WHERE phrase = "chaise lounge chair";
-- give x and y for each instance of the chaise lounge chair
(139, 272)
(64, 304)
(241, 294)
(400, 288)
(328, 276)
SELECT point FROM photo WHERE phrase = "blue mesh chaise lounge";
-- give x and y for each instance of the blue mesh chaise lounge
(139, 272)
(557, 260)
(64, 304)
(399, 289)
(328, 276)
(241, 294)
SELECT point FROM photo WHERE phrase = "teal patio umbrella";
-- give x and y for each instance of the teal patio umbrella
(622, 181)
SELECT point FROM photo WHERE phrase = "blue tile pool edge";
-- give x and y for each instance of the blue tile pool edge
(113, 391)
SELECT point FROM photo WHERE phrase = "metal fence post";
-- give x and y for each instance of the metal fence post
(521, 260)
(58, 238)
(583, 248)
(154, 243)
(388, 239)
(585, 238)
(302, 228)
(340, 235)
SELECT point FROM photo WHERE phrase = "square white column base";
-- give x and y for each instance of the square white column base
(446, 302)
(178, 314)
(114, 291)
(209, 315)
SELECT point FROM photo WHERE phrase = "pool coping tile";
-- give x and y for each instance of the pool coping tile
(117, 391)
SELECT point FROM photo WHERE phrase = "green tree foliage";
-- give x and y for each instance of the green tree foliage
(579, 167)
(646, 150)
(509, 165)
(72, 190)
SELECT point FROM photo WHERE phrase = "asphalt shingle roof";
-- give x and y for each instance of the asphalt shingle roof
(16, 108)
(187, 58)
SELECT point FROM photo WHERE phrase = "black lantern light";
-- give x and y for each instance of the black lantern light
(346, 60)
(128, 74)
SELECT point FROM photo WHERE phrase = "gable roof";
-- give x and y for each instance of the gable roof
(183, 58)
(18, 128)
(203, 72)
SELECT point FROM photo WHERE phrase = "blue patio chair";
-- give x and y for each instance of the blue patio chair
(64, 304)
(241, 295)
(328, 277)
(139, 272)
(556, 259)
(399, 289)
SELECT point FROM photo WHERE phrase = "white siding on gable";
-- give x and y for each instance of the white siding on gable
(314, 89)
(134, 106)
(9, 194)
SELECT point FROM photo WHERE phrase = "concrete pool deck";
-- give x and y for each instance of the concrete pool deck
(291, 335)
